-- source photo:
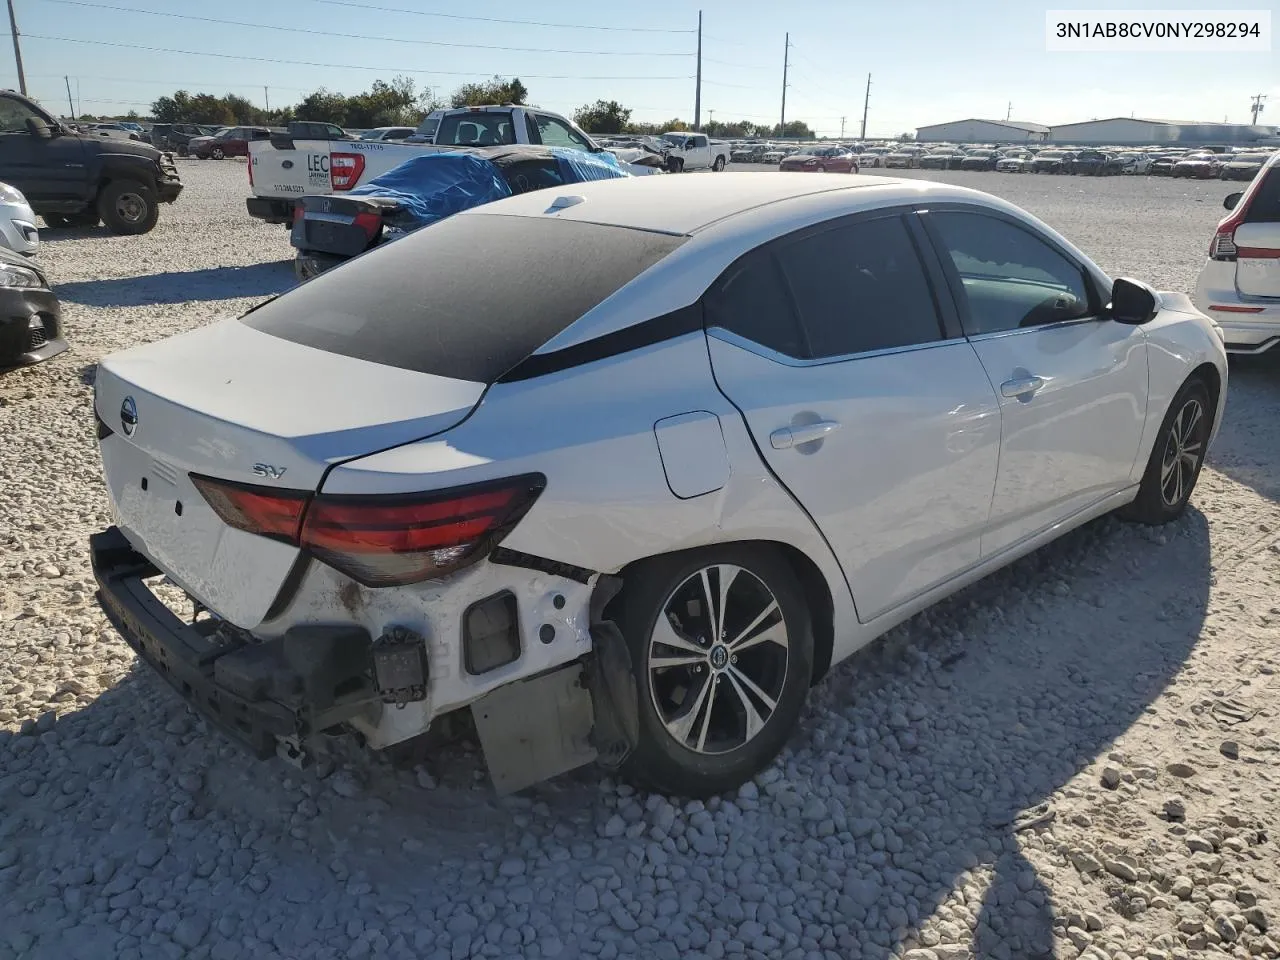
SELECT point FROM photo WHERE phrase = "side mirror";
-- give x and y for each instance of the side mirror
(1229, 202)
(39, 128)
(1132, 302)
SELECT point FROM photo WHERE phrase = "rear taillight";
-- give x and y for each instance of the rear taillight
(345, 170)
(370, 223)
(299, 211)
(1223, 245)
(250, 166)
(381, 541)
(262, 510)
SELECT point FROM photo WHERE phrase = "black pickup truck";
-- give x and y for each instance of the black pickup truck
(76, 180)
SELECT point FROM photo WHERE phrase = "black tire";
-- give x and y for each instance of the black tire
(675, 165)
(1163, 496)
(662, 762)
(308, 264)
(128, 207)
(217, 153)
(718, 165)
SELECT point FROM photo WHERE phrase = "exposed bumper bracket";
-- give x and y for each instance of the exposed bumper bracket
(310, 679)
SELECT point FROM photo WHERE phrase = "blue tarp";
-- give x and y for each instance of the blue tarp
(433, 186)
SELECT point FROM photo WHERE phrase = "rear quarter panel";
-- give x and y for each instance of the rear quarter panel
(607, 503)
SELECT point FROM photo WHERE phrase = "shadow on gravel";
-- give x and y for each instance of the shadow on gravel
(215, 283)
(1041, 667)
(910, 779)
(1245, 449)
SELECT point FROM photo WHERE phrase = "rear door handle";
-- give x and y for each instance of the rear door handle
(1022, 388)
(784, 438)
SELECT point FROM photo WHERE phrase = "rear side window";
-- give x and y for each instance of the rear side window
(1264, 206)
(751, 300)
(859, 287)
(479, 129)
(432, 303)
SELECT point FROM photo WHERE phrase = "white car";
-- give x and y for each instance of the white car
(1239, 285)
(628, 497)
(1014, 164)
(18, 229)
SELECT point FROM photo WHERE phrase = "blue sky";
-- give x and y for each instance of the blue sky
(931, 60)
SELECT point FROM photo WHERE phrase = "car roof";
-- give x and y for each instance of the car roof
(673, 204)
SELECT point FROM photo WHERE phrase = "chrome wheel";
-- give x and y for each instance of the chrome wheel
(717, 659)
(131, 208)
(1183, 449)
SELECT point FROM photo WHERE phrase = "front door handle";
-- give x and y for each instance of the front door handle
(785, 438)
(1024, 388)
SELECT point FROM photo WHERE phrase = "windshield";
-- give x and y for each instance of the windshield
(428, 303)
(478, 129)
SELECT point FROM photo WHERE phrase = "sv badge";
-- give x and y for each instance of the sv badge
(268, 471)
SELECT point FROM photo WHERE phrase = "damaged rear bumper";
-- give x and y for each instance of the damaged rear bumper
(256, 691)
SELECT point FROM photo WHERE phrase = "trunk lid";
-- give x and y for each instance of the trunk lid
(234, 403)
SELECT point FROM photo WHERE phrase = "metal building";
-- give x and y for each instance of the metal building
(982, 131)
(1132, 131)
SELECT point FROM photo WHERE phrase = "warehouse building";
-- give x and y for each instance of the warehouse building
(982, 131)
(1131, 131)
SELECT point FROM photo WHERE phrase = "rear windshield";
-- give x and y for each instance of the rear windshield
(478, 129)
(468, 297)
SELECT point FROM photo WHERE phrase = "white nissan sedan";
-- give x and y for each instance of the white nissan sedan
(626, 469)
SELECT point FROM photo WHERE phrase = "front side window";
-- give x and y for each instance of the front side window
(860, 287)
(1011, 277)
(556, 133)
(14, 116)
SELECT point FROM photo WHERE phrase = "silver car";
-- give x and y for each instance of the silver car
(17, 222)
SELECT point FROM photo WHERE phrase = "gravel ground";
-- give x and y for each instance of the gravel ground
(1076, 757)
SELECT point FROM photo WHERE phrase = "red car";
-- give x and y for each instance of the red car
(232, 142)
(821, 160)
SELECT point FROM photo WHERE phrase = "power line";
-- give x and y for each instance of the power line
(523, 23)
(176, 84)
(360, 36)
(336, 66)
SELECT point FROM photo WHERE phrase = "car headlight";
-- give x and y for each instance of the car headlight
(15, 276)
(11, 194)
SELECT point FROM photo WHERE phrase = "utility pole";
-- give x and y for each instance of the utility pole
(266, 97)
(842, 128)
(70, 105)
(1256, 98)
(865, 104)
(697, 90)
(712, 121)
(786, 58)
(17, 50)
(1009, 113)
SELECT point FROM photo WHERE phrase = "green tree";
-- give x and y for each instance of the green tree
(603, 116)
(796, 129)
(324, 106)
(496, 90)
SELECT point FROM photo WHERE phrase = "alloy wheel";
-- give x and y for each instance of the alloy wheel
(717, 659)
(1183, 450)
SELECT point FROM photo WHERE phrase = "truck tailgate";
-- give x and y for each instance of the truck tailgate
(318, 167)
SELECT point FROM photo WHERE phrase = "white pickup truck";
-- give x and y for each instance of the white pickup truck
(283, 170)
(694, 151)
